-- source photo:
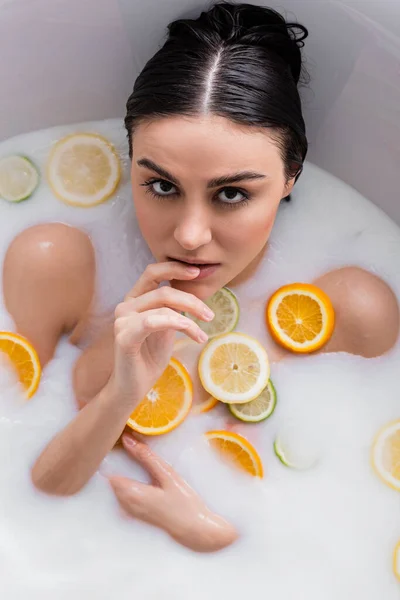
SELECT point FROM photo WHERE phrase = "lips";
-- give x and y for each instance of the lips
(206, 268)
(194, 262)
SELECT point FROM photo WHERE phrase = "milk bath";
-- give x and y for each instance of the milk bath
(324, 533)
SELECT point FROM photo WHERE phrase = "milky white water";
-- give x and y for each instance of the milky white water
(325, 533)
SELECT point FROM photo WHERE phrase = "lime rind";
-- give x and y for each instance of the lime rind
(250, 412)
(300, 458)
(225, 306)
(24, 167)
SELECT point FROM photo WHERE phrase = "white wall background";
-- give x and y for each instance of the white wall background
(63, 61)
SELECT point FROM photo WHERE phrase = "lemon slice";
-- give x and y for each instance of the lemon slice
(19, 178)
(83, 169)
(396, 561)
(386, 455)
(234, 368)
(258, 409)
(295, 449)
(225, 306)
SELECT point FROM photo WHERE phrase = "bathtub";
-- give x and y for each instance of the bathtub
(65, 61)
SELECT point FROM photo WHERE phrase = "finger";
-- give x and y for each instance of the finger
(156, 273)
(135, 498)
(160, 471)
(133, 330)
(167, 297)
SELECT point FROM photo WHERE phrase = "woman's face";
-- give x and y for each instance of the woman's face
(206, 191)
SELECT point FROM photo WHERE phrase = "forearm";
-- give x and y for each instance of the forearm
(74, 455)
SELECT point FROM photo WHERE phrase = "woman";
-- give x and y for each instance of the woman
(217, 140)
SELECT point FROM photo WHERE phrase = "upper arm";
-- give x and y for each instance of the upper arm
(366, 309)
(48, 283)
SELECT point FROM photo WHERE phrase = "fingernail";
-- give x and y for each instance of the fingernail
(193, 270)
(129, 440)
(203, 337)
(208, 314)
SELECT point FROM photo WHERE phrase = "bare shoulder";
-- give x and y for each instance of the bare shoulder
(367, 312)
(48, 282)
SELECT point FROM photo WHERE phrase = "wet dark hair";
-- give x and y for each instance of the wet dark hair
(238, 61)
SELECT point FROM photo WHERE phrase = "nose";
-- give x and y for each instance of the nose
(194, 228)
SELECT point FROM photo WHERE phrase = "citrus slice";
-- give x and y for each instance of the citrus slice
(234, 368)
(296, 449)
(166, 405)
(83, 169)
(386, 455)
(258, 409)
(19, 178)
(236, 449)
(225, 306)
(396, 561)
(24, 358)
(300, 317)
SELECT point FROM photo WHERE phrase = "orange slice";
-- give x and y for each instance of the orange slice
(24, 358)
(300, 317)
(237, 450)
(187, 352)
(166, 405)
(385, 456)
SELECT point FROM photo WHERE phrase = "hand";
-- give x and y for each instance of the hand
(145, 326)
(170, 504)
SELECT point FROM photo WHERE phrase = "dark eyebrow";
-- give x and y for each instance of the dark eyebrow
(217, 182)
(149, 164)
(228, 179)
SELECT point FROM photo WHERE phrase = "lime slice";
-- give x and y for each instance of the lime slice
(225, 306)
(258, 409)
(296, 449)
(18, 178)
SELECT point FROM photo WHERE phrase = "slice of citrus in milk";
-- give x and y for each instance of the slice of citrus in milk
(234, 368)
(237, 450)
(225, 307)
(385, 455)
(187, 351)
(396, 561)
(258, 409)
(166, 405)
(300, 317)
(296, 447)
(83, 169)
(18, 178)
(23, 357)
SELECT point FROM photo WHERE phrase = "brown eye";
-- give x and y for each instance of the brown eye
(163, 188)
(232, 195)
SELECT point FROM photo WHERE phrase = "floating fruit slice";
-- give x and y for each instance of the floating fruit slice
(187, 352)
(236, 449)
(295, 448)
(386, 455)
(396, 561)
(300, 317)
(225, 306)
(24, 358)
(19, 178)
(166, 405)
(83, 169)
(258, 409)
(234, 368)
